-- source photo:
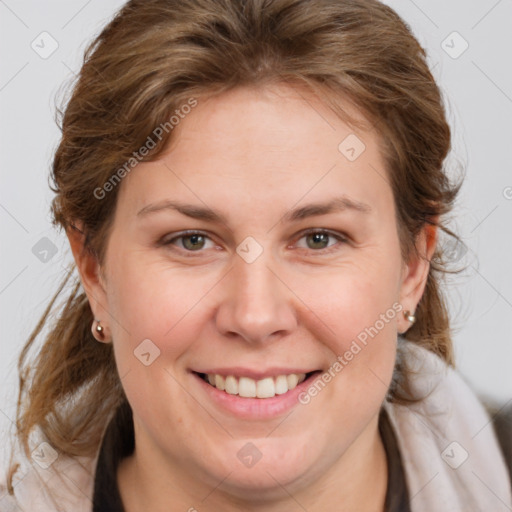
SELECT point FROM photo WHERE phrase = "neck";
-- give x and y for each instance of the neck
(146, 484)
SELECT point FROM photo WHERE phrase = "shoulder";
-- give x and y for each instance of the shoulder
(446, 434)
(52, 482)
(65, 484)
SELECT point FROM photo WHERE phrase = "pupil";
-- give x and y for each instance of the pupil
(320, 238)
(194, 239)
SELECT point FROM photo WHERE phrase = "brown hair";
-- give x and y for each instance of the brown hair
(152, 58)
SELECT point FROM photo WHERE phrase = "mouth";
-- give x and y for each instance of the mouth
(269, 397)
(262, 389)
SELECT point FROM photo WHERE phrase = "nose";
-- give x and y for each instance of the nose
(257, 305)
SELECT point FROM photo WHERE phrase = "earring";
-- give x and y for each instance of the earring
(410, 317)
(98, 331)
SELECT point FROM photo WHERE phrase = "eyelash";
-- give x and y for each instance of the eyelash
(327, 250)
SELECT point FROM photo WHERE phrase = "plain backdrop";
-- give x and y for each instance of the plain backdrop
(469, 44)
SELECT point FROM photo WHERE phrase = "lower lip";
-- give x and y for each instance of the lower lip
(255, 408)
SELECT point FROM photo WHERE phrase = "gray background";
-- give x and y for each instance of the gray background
(477, 85)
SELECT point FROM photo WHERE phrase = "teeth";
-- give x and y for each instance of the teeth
(231, 385)
(281, 384)
(246, 387)
(292, 380)
(265, 388)
(219, 382)
(250, 388)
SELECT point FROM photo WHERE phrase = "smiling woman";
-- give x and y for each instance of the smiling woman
(256, 321)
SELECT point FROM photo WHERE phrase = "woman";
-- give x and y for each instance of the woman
(253, 194)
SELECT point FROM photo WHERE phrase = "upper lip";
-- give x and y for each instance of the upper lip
(238, 371)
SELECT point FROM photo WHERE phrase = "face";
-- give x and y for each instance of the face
(218, 263)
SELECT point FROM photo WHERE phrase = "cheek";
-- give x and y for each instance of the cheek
(356, 309)
(167, 308)
(358, 312)
(156, 303)
(352, 298)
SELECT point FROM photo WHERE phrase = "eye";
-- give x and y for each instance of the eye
(191, 241)
(318, 239)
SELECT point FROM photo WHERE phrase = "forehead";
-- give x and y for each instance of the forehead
(251, 148)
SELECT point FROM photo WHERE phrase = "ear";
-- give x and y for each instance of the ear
(90, 274)
(415, 271)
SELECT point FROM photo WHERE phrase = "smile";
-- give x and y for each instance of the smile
(254, 399)
(250, 388)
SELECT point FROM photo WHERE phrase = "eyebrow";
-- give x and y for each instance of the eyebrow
(338, 204)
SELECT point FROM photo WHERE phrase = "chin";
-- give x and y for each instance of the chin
(261, 468)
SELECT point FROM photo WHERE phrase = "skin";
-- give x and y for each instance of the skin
(254, 155)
